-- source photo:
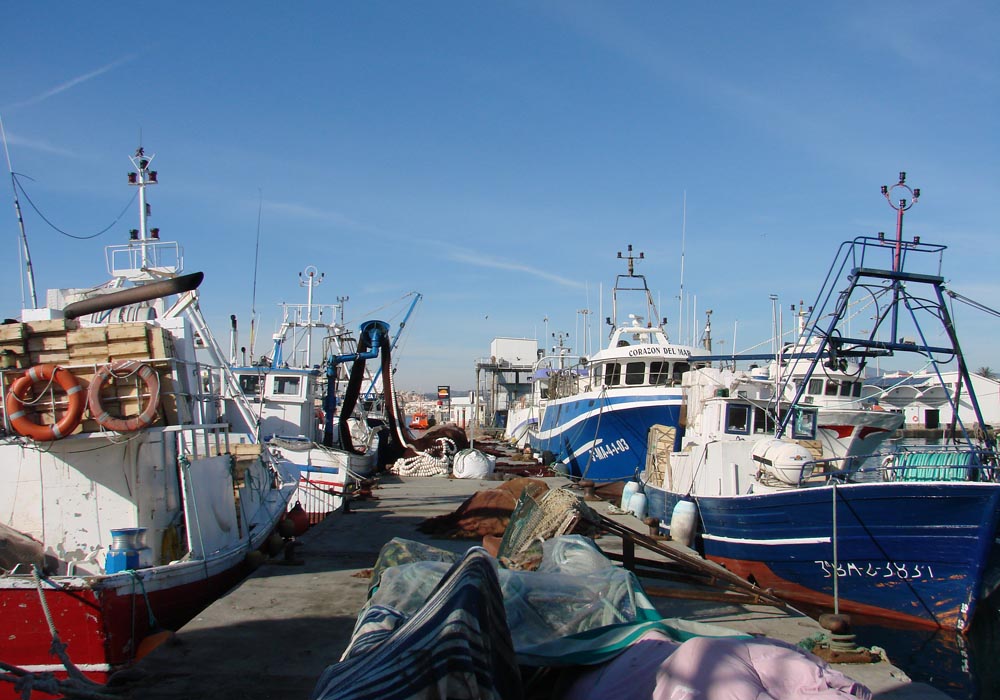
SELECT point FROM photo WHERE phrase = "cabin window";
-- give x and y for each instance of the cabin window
(831, 388)
(250, 384)
(738, 418)
(845, 388)
(287, 386)
(815, 387)
(635, 373)
(679, 369)
(659, 372)
(763, 423)
(612, 374)
(804, 424)
(857, 390)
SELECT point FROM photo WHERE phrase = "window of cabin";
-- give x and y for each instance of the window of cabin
(804, 424)
(287, 386)
(763, 423)
(612, 374)
(659, 372)
(845, 388)
(831, 387)
(857, 390)
(738, 418)
(815, 387)
(679, 369)
(250, 384)
(635, 373)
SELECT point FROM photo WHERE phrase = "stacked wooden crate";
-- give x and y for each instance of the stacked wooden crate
(84, 351)
(13, 346)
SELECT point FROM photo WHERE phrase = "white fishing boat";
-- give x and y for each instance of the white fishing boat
(133, 491)
(288, 392)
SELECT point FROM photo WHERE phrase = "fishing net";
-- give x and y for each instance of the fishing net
(556, 512)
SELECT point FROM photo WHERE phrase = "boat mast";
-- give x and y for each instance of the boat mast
(680, 295)
(29, 270)
(897, 256)
(143, 177)
(310, 282)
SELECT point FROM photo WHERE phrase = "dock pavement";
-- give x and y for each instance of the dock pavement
(274, 634)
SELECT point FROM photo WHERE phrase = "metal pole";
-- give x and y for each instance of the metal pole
(836, 576)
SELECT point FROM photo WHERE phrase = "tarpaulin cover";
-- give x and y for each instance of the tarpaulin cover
(455, 646)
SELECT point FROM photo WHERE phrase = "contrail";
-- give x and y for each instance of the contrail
(63, 87)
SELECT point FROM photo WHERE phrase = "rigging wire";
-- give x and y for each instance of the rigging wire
(256, 258)
(970, 302)
(23, 254)
(104, 230)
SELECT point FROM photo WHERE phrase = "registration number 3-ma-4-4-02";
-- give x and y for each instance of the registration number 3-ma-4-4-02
(889, 569)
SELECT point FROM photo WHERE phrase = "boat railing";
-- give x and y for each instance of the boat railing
(909, 464)
(204, 440)
(140, 258)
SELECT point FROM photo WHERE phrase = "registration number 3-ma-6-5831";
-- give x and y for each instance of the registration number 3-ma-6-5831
(889, 569)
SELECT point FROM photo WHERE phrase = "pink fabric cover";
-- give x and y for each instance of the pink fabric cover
(709, 668)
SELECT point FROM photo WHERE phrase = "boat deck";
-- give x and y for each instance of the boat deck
(272, 636)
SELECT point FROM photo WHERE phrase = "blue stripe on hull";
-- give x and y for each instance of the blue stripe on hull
(604, 438)
(915, 550)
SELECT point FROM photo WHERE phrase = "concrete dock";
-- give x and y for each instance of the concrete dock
(272, 636)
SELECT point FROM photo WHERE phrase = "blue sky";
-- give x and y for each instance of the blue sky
(495, 156)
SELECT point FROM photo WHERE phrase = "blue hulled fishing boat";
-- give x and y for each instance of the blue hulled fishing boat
(906, 533)
(598, 412)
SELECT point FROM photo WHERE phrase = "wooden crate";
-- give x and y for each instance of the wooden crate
(160, 343)
(87, 336)
(128, 350)
(11, 332)
(127, 331)
(88, 353)
(13, 356)
(55, 325)
(47, 343)
(49, 357)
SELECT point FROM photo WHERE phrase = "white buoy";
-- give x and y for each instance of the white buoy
(630, 488)
(637, 505)
(682, 522)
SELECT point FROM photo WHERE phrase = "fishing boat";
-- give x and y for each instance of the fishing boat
(420, 421)
(289, 395)
(133, 491)
(522, 416)
(598, 411)
(902, 533)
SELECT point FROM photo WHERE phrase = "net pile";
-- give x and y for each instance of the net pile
(555, 513)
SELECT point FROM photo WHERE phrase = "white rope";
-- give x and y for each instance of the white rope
(427, 463)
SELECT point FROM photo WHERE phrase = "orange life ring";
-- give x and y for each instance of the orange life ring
(119, 369)
(19, 419)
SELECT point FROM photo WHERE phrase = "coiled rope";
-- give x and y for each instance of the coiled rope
(427, 463)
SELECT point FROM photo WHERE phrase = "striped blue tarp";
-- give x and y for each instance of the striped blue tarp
(457, 645)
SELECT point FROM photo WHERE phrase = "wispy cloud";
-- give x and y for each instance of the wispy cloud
(304, 212)
(63, 87)
(41, 146)
(481, 260)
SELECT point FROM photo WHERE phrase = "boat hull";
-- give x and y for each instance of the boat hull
(103, 620)
(918, 553)
(326, 474)
(602, 436)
